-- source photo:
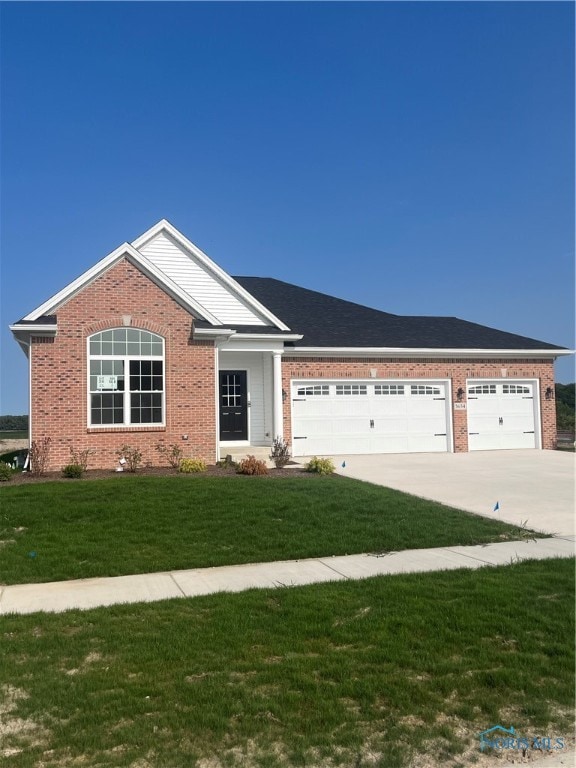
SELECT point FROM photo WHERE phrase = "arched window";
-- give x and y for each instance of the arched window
(126, 378)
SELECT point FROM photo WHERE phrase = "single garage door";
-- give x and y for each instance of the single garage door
(340, 417)
(501, 415)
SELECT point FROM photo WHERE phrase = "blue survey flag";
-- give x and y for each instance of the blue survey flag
(497, 506)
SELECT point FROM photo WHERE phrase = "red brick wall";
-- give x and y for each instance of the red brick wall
(455, 370)
(59, 373)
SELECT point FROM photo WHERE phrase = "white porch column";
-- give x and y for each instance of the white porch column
(277, 420)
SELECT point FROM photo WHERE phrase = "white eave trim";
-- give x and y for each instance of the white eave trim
(270, 336)
(211, 266)
(128, 251)
(34, 328)
(231, 333)
(422, 352)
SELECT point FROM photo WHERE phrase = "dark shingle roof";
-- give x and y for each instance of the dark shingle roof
(326, 321)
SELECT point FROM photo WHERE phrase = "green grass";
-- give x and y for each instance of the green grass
(55, 531)
(13, 434)
(362, 673)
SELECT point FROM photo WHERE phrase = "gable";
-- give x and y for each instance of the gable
(198, 281)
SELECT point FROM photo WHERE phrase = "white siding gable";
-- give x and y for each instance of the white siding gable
(198, 282)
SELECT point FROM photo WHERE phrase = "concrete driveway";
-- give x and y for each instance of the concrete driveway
(535, 488)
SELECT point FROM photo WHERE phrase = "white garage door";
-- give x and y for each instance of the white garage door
(501, 415)
(339, 417)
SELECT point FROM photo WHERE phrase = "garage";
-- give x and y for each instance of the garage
(501, 414)
(372, 416)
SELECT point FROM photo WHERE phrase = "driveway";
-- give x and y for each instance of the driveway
(532, 488)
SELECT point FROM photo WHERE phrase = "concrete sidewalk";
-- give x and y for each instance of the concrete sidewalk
(91, 593)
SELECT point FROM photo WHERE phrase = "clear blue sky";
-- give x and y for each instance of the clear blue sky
(414, 157)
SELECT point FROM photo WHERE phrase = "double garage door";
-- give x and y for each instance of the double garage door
(343, 416)
(339, 417)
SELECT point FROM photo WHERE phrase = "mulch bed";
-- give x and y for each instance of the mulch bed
(22, 478)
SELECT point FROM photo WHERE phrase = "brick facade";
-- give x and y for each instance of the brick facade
(456, 370)
(59, 373)
(60, 391)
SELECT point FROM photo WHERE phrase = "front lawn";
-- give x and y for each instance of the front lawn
(55, 531)
(388, 672)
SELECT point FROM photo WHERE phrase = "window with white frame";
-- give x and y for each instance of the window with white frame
(314, 390)
(388, 389)
(515, 389)
(126, 378)
(424, 389)
(351, 389)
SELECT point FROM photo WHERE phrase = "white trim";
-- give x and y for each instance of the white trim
(213, 333)
(126, 406)
(217, 398)
(211, 266)
(470, 381)
(277, 405)
(269, 336)
(445, 382)
(29, 395)
(38, 328)
(125, 250)
(421, 352)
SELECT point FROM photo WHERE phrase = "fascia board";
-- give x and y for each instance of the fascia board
(212, 333)
(125, 250)
(271, 336)
(211, 266)
(32, 329)
(76, 285)
(423, 352)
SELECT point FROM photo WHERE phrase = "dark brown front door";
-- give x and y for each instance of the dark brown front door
(233, 406)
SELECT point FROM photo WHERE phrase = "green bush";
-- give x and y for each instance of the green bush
(171, 453)
(6, 472)
(192, 465)
(252, 466)
(73, 470)
(130, 457)
(320, 466)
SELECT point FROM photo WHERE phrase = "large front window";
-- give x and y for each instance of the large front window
(126, 378)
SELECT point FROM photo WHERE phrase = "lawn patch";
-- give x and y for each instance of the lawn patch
(372, 673)
(127, 525)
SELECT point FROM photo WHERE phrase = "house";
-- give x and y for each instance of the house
(156, 343)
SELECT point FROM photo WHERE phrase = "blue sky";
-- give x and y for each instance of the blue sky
(414, 157)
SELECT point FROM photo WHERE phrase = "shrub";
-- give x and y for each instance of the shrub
(252, 466)
(320, 466)
(132, 457)
(80, 458)
(280, 453)
(39, 454)
(192, 465)
(171, 453)
(73, 470)
(6, 472)
(227, 463)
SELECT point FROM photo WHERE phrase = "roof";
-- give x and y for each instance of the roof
(326, 321)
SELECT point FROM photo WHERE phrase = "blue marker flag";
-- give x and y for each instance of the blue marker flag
(497, 506)
(343, 463)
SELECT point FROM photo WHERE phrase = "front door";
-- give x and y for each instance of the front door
(233, 406)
